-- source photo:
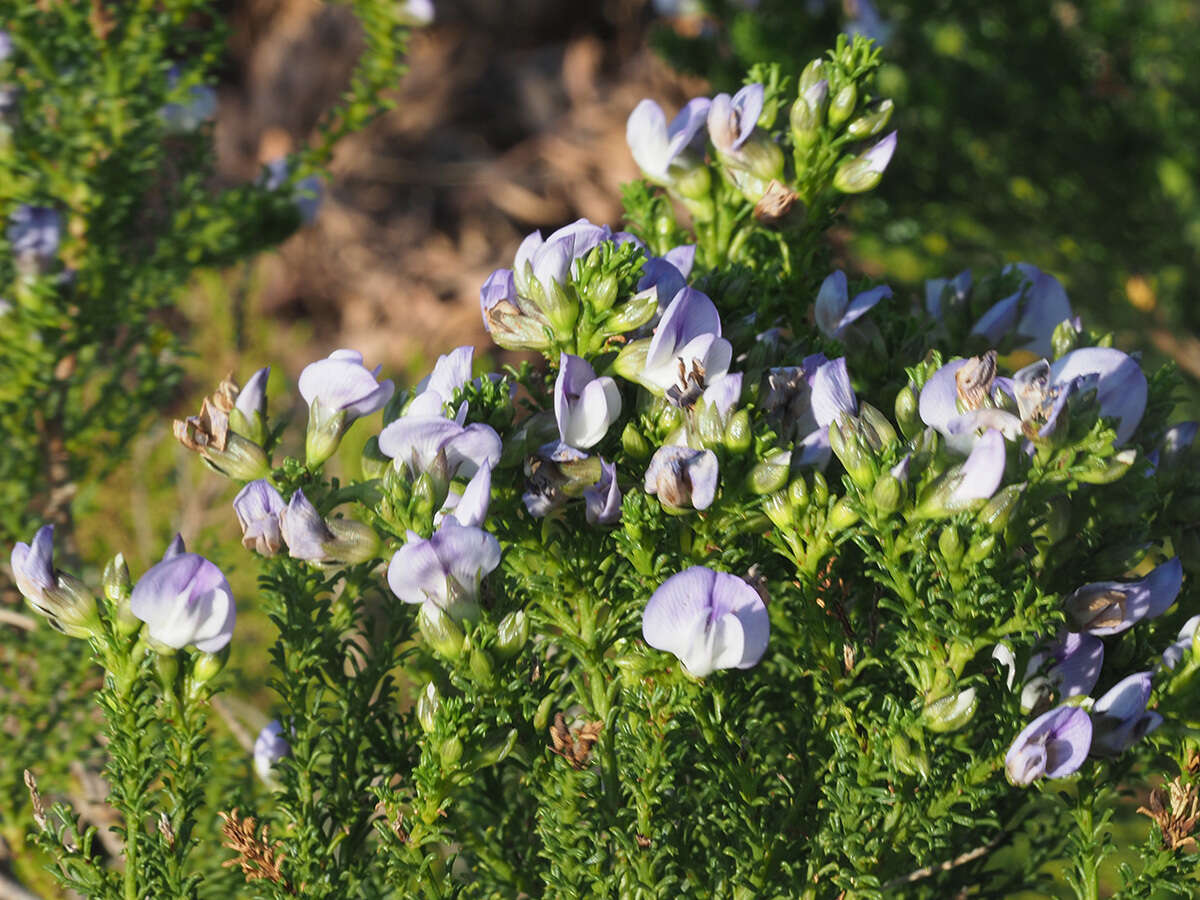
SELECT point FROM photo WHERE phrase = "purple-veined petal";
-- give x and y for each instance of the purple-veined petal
(471, 448)
(413, 441)
(603, 499)
(175, 547)
(938, 404)
(862, 304)
(343, 383)
(1047, 305)
(499, 286)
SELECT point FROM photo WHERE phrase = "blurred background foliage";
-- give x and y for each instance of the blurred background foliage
(1063, 134)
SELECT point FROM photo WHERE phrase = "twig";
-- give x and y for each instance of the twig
(239, 732)
(17, 620)
(946, 866)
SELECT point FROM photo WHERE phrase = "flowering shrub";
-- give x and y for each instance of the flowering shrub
(763, 583)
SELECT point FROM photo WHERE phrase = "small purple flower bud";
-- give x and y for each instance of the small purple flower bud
(709, 620)
(865, 171)
(1110, 607)
(34, 233)
(656, 145)
(257, 507)
(446, 569)
(1172, 656)
(63, 599)
(303, 530)
(603, 499)
(249, 414)
(1053, 745)
(33, 566)
(834, 310)
(1120, 718)
(183, 600)
(682, 478)
(584, 405)
(270, 747)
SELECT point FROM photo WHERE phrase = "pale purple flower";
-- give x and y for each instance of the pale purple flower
(269, 747)
(306, 193)
(257, 507)
(975, 479)
(803, 401)
(341, 383)
(709, 620)
(34, 233)
(1121, 385)
(682, 478)
(835, 311)
(200, 106)
(1120, 717)
(303, 529)
(1178, 441)
(252, 398)
(965, 397)
(665, 277)
(731, 120)
(1072, 665)
(655, 145)
(687, 350)
(1110, 607)
(548, 262)
(603, 499)
(1183, 643)
(33, 566)
(425, 443)
(1053, 745)
(183, 600)
(941, 293)
(471, 506)
(512, 322)
(1046, 305)
(682, 258)
(446, 569)
(584, 405)
(450, 374)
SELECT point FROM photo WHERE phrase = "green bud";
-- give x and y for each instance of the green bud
(253, 428)
(908, 414)
(633, 313)
(981, 549)
(871, 122)
(542, 715)
(1096, 471)
(167, 665)
(738, 433)
(798, 492)
(908, 760)
(116, 582)
(882, 428)
(374, 463)
(842, 516)
(820, 490)
(693, 182)
(767, 477)
(709, 425)
(847, 445)
(856, 176)
(951, 712)
(634, 443)
(450, 752)
(428, 703)
(483, 672)
(441, 632)
(516, 329)
(512, 634)
(779, 510)
(762, 158)
(950, 546)
(495, 749)
(354, 542)
(1057, 522)
(998, 511)
(632, 359)
(813, 72)
(325, 429)
(842, 105)
(69, 606)
(206, 666)
(562, 309)
(805, 120)
(429, 492)
(602, 292)
(888, 493)
(1064, 339)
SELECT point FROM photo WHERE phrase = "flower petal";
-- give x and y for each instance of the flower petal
(1122, 388)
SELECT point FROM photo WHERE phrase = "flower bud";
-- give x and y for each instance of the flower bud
(820, 490)
(495, 749)
(634, 443)
(797, 493)
(871, 122)
(813, 72)
(908, 415)
(998, 511)
(632, 359)
(1064, 338)
(441, 632)
(738, 433)
(601, 294)
(842, 105)
(450, 752)
(883, 433)
(908, 760)
(633, 313)
(483, 672)
(562, 309)
(888, 493)
(1057, 522)
(428, 703)
(206, 666)
(863, 172)
(950, 546)
(767, 477)
(779, 510)
(116, 582)
(512, 634)
(374, 463)
(844, 439)
(353, 542)
(542, 715)
(1095, 471)
(951, 712)
(842, 516)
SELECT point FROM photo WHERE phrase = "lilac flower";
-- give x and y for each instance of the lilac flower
(34, 233)
(541, 264)
(1120, 717)
(1121, 385)
(709, 620)
(1074, 667)
(450, 374)
(866, 170)
(976, 478)
(269, 747)
(655, 145)
(249, 414)
(803, 401)
(512, 322)
(183, 600)
(186, 117)
(682, 478)
(943, 292)
(258, 506)
(834, 310)
(339, 390)
(63, 599)
(446, 569)
(1045, 306)
(1053, 745)
(304, 530)
(1172, 656)
(687, 350)
(306, 193)
(471, 506)
(603, 499)
(1110, 607)
(665, 277)
(439, 446)
(730, 121)
(964, 397)
(584, 405)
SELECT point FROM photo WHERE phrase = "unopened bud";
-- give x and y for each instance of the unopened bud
(602, 292)
(871, 122)
(632, 358)
(842, 516)
(116, 582)
(767, 477)
(206, 666)
(950, 546)
(495, 749)
(482, 670)
(880, 426)
(813, 72)
(998, 511)
(888, 493)
(1064, 338)
(1104, 472)
(844, 439)
(354, 542)
(908, 414)
(842, 105)
(325, 429)
(512, 634)
(374, 463)
(779, 510)
(738, 433)
(441, 632)
(951, 712)
(634, 443)
(450, 752)
(428, 703)
(820, 490)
